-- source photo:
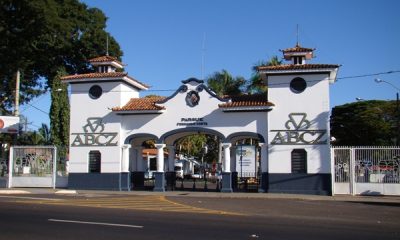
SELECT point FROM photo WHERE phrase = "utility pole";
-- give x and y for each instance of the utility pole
(17, 83)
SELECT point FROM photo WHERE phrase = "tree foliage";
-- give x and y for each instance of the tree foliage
(256, 84)
(38, 37)
(365, 123)
(223, 83)
(59, 111)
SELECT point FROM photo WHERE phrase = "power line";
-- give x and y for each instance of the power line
(369, 75)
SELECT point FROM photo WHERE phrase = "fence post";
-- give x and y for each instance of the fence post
(54, 166)
(333, 172)
(352, 171)
(10, 166)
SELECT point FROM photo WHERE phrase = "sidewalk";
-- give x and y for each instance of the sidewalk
(94, 193)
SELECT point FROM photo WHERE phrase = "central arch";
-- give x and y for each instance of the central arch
(178, 133)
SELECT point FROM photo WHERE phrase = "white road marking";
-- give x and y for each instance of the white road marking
(32, 198)
(95, 223)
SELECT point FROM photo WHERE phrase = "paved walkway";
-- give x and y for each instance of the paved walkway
(88, 193)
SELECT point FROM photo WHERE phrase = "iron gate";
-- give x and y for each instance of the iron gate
(366, 170)
(32, 166)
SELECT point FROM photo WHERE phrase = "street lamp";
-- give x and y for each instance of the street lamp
(378, 80)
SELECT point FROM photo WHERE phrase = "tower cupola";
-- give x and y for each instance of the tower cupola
(298, 55)
(106, 64)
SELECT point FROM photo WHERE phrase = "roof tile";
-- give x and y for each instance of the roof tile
(141, 104)
(256, 100)
(286, 67)
(105, 59)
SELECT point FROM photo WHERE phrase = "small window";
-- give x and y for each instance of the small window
(94, 161)
(299, 161)
(298, 85)
(95, 92)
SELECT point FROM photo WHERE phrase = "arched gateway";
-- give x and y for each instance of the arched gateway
(109, 123)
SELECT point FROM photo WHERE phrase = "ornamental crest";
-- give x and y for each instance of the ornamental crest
(192, 98)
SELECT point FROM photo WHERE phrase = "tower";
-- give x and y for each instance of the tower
(299, 150)
(96, 148)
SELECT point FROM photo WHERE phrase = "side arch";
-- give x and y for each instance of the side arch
(245, 135)
(140, 135)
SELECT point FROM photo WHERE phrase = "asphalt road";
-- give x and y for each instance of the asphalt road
(33, 218)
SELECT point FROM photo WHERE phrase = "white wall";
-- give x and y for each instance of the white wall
(216, 119)
(314, 101)
(84, 107)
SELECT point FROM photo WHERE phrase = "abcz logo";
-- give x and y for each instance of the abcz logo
(298, 132)
(94, 135)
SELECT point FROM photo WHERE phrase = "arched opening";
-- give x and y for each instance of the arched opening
(196, 159)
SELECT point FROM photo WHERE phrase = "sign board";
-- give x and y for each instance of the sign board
(246, 161)
(93, 135)
(298, 132)
(9, 124)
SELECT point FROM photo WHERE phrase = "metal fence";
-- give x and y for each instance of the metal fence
(366, 165)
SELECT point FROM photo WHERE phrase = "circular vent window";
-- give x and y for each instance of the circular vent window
(95, 92)
(298, 85)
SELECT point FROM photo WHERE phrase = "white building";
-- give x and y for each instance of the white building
(109, 123)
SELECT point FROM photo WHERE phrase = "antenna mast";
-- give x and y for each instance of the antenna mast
(107, 45)
(297, 34)
(203, 55)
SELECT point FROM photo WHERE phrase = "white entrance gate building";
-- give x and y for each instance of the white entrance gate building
(109, 123)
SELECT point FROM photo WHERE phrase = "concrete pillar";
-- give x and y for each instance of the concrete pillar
(159, 184)
(125, 158)
(138, 175)
(227, 175)
(226, 165)
(264, 168)
(160, 157)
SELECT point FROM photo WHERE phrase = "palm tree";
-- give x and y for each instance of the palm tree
(45, 132)
(223, 83)
(256, 83)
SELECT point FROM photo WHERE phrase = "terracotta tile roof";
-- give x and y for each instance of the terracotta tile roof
(151, 152)
(287, 67)
(256, 100)
(98, 75)
(95, 75)
(298, 48)
(141, 104)
(105, 59)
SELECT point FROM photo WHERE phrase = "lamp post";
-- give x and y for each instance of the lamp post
(378, 80)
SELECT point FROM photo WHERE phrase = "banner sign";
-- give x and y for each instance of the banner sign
(9, 124)
(246, 161)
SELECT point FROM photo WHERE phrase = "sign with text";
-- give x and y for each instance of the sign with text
(246, 161)
(94, 135)
(298, 132)
(191, 121)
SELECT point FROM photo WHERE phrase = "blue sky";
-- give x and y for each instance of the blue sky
(163, 41)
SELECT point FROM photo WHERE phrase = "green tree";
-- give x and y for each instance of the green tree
(38, 37)
(256, 84)
(223, 83)
(365, 123)
(59, 112)
(44, 131)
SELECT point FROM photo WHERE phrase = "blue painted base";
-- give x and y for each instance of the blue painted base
(159, 183)
(263, 187)
(316, 184)
(99, 181)
(226, 182)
